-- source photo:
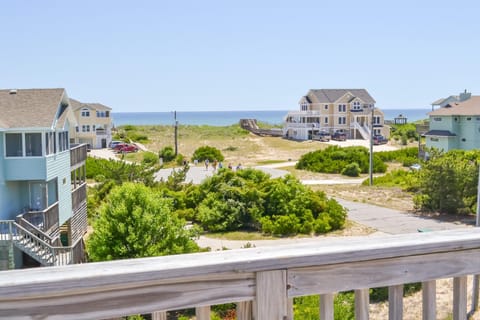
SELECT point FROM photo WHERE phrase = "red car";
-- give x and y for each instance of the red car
(119, 146)
(127, 148)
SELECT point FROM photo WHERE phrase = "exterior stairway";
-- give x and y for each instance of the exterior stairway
(364, 131)
(36, 246)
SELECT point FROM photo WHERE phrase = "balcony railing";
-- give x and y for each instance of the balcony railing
(78, 154)
(79, 195)
(269, 276)
(45, 220)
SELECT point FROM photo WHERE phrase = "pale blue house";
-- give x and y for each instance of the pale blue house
(42, 180)
(456, 124)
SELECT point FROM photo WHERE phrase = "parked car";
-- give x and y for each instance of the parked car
(119, 146)
(114, 143)
(379, 140)
(339, 136)
(321, 136)
(127, 148)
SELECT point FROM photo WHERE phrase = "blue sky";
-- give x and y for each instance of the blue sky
(240, 55)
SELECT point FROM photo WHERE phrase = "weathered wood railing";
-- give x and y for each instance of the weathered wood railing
(78, 154)
(268, 277)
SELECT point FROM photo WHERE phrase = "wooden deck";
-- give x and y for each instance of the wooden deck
(269, 277)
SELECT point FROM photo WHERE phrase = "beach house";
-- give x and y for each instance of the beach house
(455, 124)
(335, 110)
(94, 124)
(43, 212)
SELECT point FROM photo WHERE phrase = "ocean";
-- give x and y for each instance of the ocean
(226, 118)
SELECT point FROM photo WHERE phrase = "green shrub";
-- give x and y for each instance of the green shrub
(149, 158)
(207, 152)
(167, 154)
(351, 170)
(179, 159)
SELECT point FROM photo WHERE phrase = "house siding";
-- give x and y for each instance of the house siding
(58, 166)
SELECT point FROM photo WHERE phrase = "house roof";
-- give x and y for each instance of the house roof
(332, 95)
(440, 133)
(443, 100)
(32, 108)
(96, 106)
(470, 107)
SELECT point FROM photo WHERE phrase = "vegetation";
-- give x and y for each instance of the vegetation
(335, 159)
(249, 200)
(208, 153)
(405, 133)
(405, 156)
(134, 222)
(167, 154)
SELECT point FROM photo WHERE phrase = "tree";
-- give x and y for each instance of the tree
(167, 154)
(135, 222)
(207, 152)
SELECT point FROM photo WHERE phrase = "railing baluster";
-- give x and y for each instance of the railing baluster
(244, 310)
(159, 315)
(326, 306)
(202, 313)
(429, 300)
(395, 302)
(362, 301)
(460, 298)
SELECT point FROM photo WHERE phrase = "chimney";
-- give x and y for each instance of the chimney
(465, 95)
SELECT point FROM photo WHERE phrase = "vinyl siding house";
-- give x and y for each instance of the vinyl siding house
(43, 213)
(330, 110)
(456, 125)
(94, 124)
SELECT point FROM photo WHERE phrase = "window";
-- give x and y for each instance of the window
(85, 128)
(77, 129)
(437, 119)
(342, 120)
(33, 144)
(468, 119)
(342, 108)
(356, 105)
(376, 120)
(433, 139)
(377, 132)
(13, 145)
(62, 141)
(304, 106)
(50, 140)
(326, 120)
(85, 112)
(326, 107)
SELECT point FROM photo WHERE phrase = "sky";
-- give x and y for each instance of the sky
(240, 55)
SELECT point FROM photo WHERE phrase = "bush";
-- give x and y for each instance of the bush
(207, 152)
(167, 154)
(351, 170)
(149, 158)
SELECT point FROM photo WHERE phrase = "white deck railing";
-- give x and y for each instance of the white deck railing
(268, 277)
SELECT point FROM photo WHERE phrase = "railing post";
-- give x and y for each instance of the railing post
(362, 301)
(326, 306)
(202, 313)
(460, 298)
(159, 315)
(271, 295)
(429, 301)
(395, 302)
(244, 310)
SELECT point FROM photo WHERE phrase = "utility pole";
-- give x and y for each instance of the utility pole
(371, 147)
(176, 132)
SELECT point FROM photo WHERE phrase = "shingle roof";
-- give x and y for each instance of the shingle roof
(470, 107)
(332, 95)
(440, 133)
(97, 106)
(30, 108)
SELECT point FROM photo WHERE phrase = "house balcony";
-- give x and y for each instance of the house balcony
(44, 222)
(79, 195)
(262, 281)
(78, 154)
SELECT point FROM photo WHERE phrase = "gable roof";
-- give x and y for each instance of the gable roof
(96, 106)
(470, 107)
(332, 95)
(32, 108)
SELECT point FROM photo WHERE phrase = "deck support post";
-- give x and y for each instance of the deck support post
(460, 298)
(271, 296)
(362, 301)
(395, 302)
(244, 310)
(326, 306)
(159, 315)
(202, 313)
(429, 300)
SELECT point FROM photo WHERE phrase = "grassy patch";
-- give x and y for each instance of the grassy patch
(239, 235)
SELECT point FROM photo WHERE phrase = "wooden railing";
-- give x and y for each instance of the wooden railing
(45, 220)
(79, 195)
(269, 276)
(78, 154)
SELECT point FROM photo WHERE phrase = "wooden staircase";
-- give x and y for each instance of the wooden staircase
(36, 245)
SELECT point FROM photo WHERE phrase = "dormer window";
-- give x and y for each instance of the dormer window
(85, 112)
(356, 105)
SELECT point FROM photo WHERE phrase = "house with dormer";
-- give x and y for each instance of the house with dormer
(94, 124)
(335, 110)
(456, 124)
(43, 211)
